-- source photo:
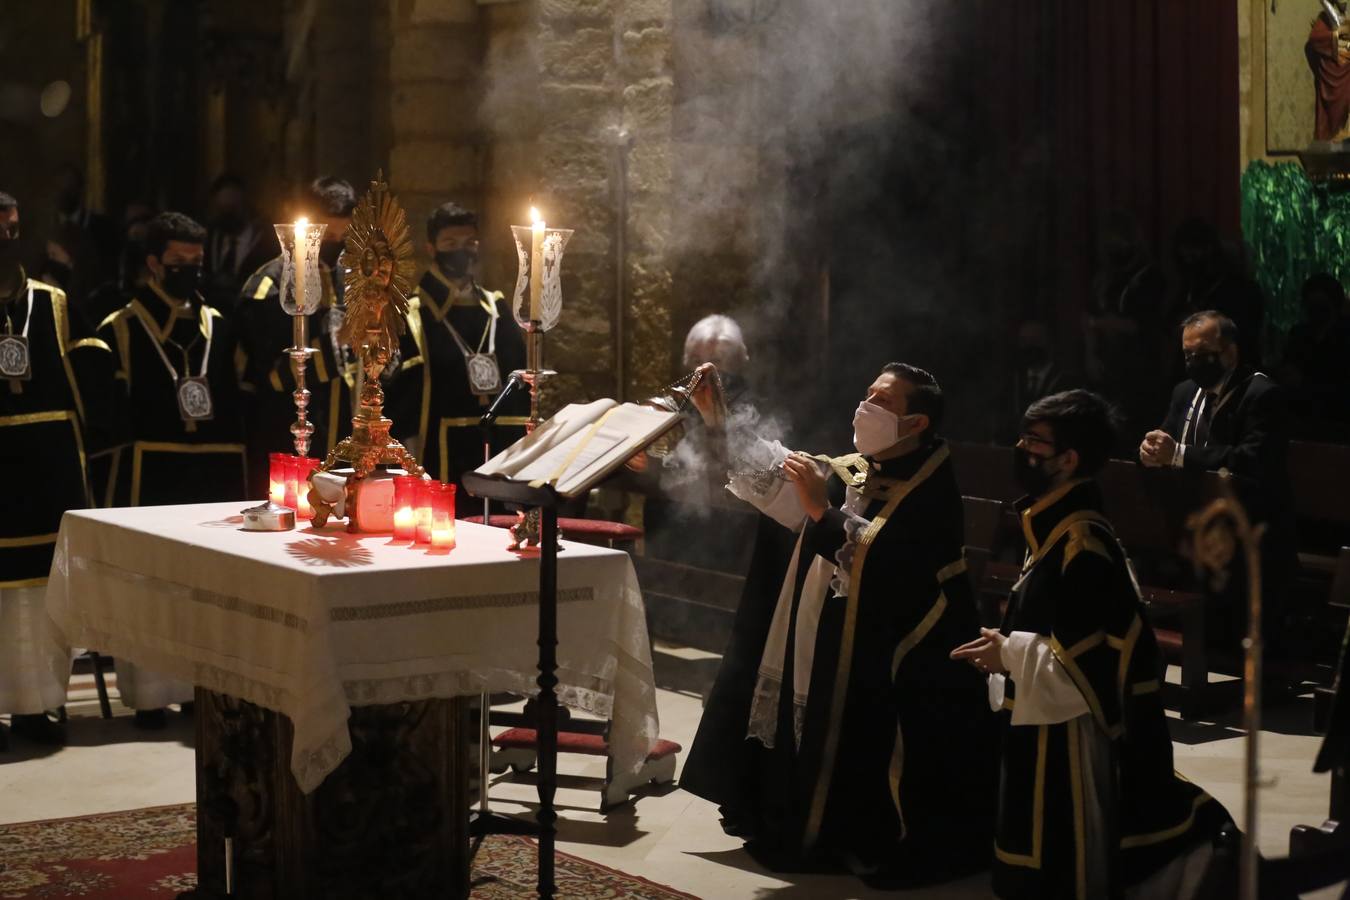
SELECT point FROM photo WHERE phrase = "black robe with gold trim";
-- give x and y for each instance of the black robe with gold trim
(265, 333)
(48, 425)
(1077, 590)
(430, 397)
(895, 769)
(160, 458)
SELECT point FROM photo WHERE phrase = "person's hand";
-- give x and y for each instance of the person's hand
(638, 463)
(1157, 449)
(984, 653)
(704, 396)
(801, 470)
(57, 254)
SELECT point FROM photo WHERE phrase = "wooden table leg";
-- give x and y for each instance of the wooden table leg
(390, 821)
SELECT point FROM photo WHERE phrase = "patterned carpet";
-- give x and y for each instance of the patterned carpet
(151, 853)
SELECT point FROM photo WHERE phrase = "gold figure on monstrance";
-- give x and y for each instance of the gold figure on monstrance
(379, 262)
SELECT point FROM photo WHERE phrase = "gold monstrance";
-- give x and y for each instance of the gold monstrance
(379, 263)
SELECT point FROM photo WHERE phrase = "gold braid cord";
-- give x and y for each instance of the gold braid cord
(378, 259)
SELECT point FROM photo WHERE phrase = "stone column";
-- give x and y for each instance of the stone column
(435, 143)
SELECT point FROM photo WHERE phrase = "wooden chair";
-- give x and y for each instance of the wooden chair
(1319, 475)
(983, 521)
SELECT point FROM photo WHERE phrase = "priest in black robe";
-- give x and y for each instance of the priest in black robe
(180, 430)
(461, 346)
(858, 742)
(1089, 804)
(54, 382)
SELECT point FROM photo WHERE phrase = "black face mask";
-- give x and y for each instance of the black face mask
(181, 281)
(456, 263)
(1030, 472)
(330, 252)
(1205, 369)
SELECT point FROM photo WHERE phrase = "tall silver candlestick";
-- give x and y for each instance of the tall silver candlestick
(302, 428)
(301, 291)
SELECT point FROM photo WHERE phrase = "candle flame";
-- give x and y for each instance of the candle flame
(534, 216)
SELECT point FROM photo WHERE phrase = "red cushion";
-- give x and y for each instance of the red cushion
(574, 742)
(596, 528)
(614, 531)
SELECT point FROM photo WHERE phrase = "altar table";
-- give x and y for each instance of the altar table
(322, 627)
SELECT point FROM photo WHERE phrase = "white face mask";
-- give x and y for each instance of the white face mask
(874, 429)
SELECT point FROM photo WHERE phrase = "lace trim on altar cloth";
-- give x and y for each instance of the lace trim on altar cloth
(441, 604)
(763, 725)
(225, 602)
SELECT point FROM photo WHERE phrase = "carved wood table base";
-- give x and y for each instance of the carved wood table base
(390, 821)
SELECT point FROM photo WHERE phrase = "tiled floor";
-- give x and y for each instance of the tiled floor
(667, 836)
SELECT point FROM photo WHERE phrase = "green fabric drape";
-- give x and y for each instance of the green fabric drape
(1294, 229)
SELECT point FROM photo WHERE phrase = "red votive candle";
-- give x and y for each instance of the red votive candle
(443, 516)
(304, 465)
(405, 507)
(425, 490)
(292, 475)
(276, 477)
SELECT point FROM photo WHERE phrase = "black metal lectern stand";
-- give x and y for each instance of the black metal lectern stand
(546, 499)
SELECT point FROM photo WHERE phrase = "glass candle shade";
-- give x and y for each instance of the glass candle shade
(292, 475)
(304, 465)
(424, 495)
(300, 288)
(405, 507)
(443, 516)
(276, 477)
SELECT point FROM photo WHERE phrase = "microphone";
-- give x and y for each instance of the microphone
(512, 383)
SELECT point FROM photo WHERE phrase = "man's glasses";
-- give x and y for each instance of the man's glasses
(1030, 439)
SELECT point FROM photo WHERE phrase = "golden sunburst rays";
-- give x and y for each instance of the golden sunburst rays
(379, 261)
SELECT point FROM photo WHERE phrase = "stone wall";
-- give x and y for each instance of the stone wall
(635, 122)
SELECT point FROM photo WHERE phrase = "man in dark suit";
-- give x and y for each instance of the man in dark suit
(1226, 415)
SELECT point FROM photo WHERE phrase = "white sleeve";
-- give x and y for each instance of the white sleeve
(1046, 694)
(772, 496)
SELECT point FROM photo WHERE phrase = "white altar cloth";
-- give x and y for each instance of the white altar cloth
(314, 621)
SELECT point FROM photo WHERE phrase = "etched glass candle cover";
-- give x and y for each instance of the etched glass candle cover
(301, 287)
(555, 242)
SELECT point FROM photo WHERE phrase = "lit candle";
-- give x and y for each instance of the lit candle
(405, 507)
(443, 516)
(424, 495)
(276, 477)
(303, 467)
(298, 260)
(536, 265)
(442, 533)
(289, 498)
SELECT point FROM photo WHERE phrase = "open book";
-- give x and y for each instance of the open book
(580, 445)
